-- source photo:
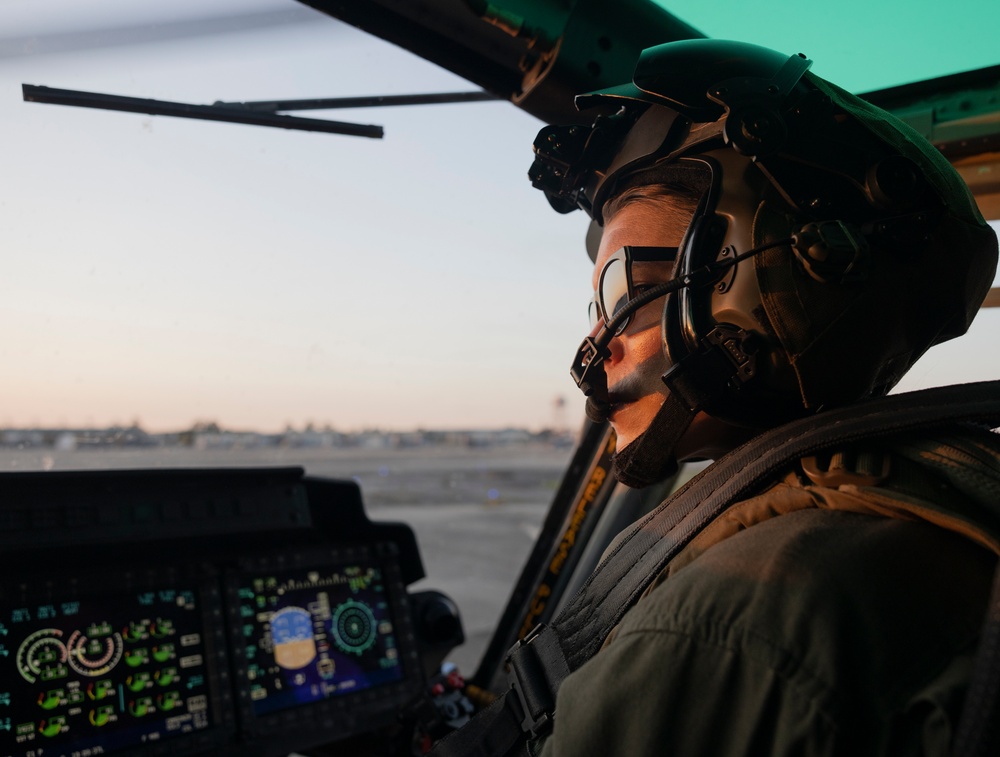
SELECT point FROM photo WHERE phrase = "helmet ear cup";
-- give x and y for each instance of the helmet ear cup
(832, 251)
(703, 241)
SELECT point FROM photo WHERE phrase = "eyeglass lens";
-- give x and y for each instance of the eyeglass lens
(612, 292)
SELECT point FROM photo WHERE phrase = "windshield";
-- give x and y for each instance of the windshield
(166, 272)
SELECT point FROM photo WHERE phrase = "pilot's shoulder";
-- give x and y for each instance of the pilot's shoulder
(835, 600)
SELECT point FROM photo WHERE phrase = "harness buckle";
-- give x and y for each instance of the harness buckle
(532, 693)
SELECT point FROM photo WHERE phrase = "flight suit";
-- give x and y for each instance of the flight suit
(811, 619)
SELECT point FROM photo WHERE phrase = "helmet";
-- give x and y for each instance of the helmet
(833, 245)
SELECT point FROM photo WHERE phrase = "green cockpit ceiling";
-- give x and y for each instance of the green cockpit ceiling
(935, 65)
(859, 44)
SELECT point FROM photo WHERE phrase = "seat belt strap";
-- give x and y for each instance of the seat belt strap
(542, 661)
(493, 732)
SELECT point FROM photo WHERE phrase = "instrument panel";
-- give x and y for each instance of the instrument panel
(250, 612)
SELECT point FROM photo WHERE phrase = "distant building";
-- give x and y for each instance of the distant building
(210, 436)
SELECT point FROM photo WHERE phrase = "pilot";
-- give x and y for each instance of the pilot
(772, 248)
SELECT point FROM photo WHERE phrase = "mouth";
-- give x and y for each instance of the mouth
(600, 410)
(618, 401)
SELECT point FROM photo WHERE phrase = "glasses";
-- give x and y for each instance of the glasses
(615, 288)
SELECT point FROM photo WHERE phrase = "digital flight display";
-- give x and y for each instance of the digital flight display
(92, 676)
(317, 634)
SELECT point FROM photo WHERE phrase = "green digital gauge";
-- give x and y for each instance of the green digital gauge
(354, 627)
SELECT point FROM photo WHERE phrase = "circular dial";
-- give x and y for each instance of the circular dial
(354, 627)
(93, 656)
(42, 654)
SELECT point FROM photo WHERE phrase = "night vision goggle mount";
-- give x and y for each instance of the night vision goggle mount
(566, 156)
(573, 162)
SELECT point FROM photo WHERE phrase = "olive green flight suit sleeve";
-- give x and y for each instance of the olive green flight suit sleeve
(815, 633)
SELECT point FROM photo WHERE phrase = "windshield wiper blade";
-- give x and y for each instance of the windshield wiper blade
(367, 101)
(34, 93)
(257, 113)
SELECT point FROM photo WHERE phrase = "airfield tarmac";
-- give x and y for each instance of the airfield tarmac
(475, 511)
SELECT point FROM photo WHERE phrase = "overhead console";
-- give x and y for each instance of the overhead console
(233, 612)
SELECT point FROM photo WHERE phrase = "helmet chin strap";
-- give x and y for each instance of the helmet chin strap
(597, 410)
(651, 456)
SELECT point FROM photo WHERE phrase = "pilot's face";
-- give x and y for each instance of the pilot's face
(636, 363)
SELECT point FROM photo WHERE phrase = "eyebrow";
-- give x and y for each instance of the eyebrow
(652, 254)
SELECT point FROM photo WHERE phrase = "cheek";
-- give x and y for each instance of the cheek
(643, 346)
(642, 338)
(641, 366)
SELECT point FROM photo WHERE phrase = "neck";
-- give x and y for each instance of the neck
(709, 438)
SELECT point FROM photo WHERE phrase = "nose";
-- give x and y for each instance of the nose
(596, 327)
(615, 346)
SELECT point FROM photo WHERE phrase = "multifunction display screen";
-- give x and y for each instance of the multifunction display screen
(87, 677)
(316, 634)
